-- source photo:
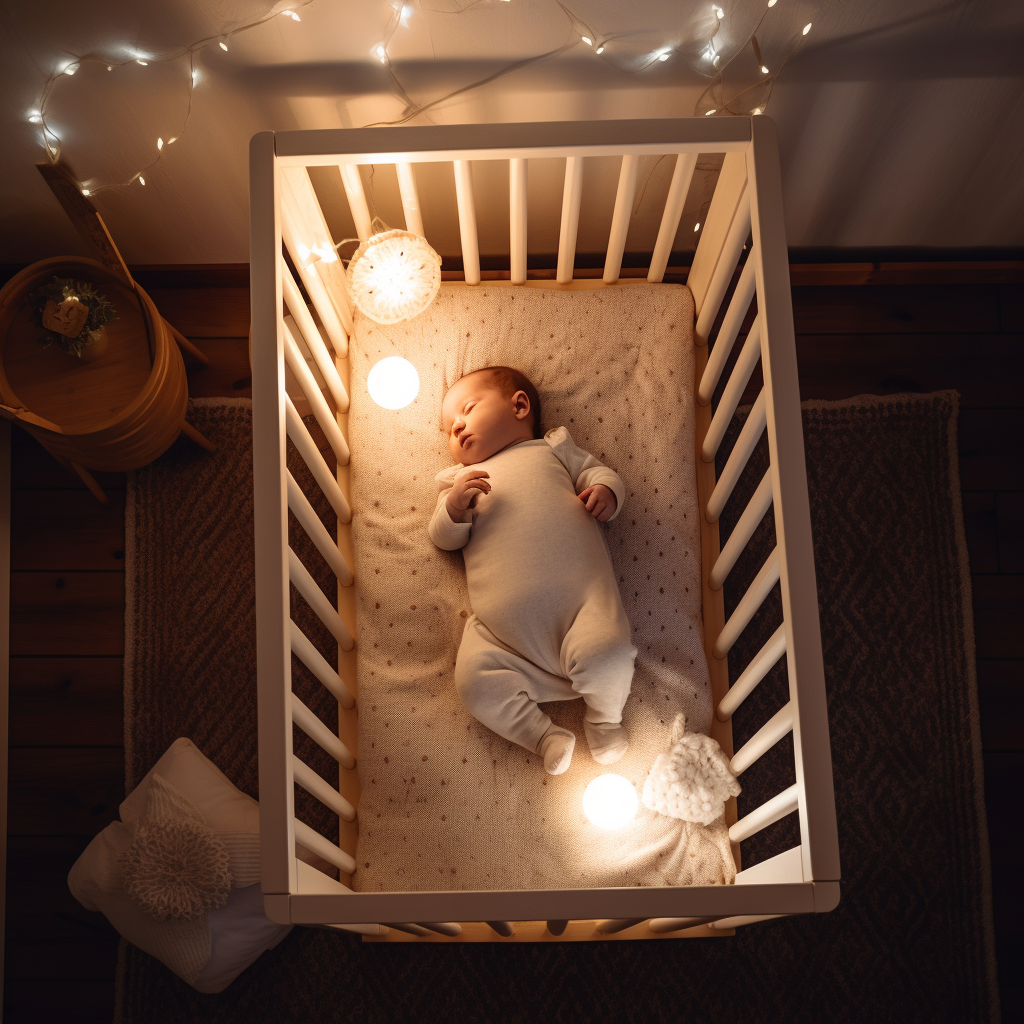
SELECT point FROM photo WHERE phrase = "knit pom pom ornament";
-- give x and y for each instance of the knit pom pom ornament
(692, 779)
(393, 276)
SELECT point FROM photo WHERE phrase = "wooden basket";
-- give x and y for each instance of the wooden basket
(117, 412)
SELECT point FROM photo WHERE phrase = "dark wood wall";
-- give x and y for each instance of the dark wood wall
(864, 328)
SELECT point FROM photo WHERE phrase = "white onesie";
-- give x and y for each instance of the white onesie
(547, 622)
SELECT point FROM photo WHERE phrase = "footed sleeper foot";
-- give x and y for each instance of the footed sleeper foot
(608, 740)
(556, 748)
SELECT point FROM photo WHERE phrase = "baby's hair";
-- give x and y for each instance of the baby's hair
(510, 381)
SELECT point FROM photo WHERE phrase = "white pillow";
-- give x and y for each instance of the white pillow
(211, 950)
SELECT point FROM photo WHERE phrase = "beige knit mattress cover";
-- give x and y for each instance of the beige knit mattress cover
(445, 803)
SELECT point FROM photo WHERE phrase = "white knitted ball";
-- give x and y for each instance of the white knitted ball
(394, 276)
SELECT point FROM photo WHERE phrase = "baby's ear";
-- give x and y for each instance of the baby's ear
(521, 404)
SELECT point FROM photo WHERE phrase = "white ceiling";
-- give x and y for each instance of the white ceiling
(901, 124)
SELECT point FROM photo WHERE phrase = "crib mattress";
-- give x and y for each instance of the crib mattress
(445, 803)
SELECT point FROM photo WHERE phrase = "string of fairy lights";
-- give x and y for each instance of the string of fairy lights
(701, 51)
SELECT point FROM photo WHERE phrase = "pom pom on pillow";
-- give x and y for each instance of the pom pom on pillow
(176, 866)
(692, 779)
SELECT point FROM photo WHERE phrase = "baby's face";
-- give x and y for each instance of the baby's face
(480, 421)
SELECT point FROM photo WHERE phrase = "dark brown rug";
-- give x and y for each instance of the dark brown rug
(911, 939)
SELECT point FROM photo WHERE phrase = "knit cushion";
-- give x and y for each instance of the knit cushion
(178, 876)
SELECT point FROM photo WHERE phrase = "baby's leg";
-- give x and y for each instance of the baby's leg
(598, 656)
(500, 689)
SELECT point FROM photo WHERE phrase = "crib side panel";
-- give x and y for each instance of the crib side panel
(273, 651)
(792, 512)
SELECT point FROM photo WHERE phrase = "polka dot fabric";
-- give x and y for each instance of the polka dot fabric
(445, 803)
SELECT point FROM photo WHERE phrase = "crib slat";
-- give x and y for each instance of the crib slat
(739, 229)
(312, 840)
(620, 217)
(317, 532)
(727, 332)
(741, 452)
(307, 653)
(320, 734)
(408, 928)
(318, 467)
(620, 925)
(467, 221)
(311, 336)
(767, 577)
(779, 725)
(557, 927)
(758, 668)
(734, 386)
(357, 200)
(729, 188)
(312, 783)
(685, 163)
(317, 600)
(315, 287)
(503, 928)
(312, 391)
(767, 814)
(517, 219)
(660, 925)
(729, 923)
(310, 219)
(451, 928)
(410, 199)
(572, 193)
(742, 532)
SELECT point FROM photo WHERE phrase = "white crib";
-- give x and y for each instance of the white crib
(747, 203)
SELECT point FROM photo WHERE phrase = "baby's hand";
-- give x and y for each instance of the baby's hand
(600, 501)
(469, 483)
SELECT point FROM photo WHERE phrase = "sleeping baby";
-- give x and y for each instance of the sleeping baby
(547, 621)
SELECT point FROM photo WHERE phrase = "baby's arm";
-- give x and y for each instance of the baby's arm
(445, 530)
(587, 473)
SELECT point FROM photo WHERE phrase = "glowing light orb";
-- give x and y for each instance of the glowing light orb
(610, 802)
(393, 382)
(394, 275)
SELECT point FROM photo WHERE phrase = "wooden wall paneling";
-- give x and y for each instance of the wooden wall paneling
(992, 449)
(64, 792)
(67, 613)
(67, 530)
(1010, 528)
(1001, 696)
(205, 312)
(998, 616)
(980, 528)
(228, 373)
(67, 702)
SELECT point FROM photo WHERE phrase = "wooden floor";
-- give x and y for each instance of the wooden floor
(908, 329)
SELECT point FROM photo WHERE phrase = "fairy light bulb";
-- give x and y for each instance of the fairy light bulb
(772, 3)
(696, 227)
(807, 28)
(142, 180)
(110, 67)
(35, 118)
(587, 40)
(719, 13)
(223, 45)
(159, 143)
(144, 63)
(86, 192)
(764, 70)
(610, 802)
(70, 69)
(663, 56)
(600, 49)
(393, 382)
(707, 113)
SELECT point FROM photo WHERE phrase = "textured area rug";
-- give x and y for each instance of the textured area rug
(911, 939)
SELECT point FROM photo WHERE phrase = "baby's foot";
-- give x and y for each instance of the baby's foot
(556, 746)
(608, 740)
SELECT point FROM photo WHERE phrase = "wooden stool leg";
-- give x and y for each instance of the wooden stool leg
(186, 346)
(190, 432)
(90, 481)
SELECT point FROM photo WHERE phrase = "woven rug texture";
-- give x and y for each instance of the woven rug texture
(911, 939)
